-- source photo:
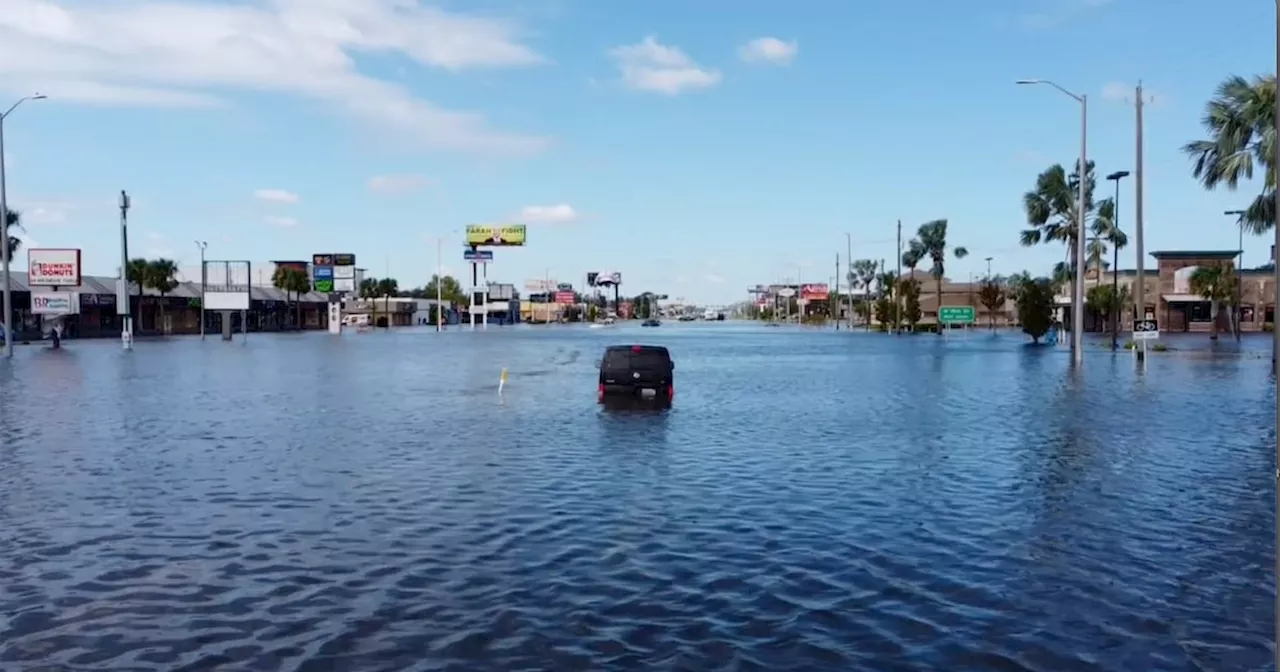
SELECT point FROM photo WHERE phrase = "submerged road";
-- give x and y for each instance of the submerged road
(813, 501)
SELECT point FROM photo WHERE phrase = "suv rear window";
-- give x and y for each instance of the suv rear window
(647, 359)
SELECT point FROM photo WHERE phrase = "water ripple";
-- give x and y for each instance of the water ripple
(813, 501)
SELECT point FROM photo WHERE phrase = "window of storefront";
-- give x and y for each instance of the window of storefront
(1199, 312)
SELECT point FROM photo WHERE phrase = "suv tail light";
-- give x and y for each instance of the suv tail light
(600, 392)
(671, 392)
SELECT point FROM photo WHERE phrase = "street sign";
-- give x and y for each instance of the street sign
(957, 315)
(1146, 330)
(477, 256)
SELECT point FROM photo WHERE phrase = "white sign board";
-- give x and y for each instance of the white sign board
(344, 272)
(55, 303)
(1146, 330)
(540, 285)
(786, 292)
(53, 268)
(343, 284)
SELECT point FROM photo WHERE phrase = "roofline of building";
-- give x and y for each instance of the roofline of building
(1195, 254)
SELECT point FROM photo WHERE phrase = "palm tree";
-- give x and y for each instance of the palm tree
(932, 238)
(861, 274)
(160, 277)
(292, 281)
(1241, 123)
(1052, 207)
(15, 224)
(137, 273)
(1216, 284)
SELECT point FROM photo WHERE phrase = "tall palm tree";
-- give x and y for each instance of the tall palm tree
(1240, 120)
(932, 237)
(137, 272)
(160, 276)
(1216, 284)
(861, 274)
(1051, 209)
(15, 224)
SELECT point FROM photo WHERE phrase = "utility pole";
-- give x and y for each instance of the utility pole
(848, 252)
(1140, 296)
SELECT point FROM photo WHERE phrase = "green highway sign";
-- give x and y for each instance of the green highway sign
(957, 315)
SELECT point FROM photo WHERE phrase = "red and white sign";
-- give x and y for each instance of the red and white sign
(814, 292)
(566, 298)
(53, 267)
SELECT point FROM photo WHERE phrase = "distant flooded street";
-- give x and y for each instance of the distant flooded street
(815, 500)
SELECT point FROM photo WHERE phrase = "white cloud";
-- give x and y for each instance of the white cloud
(650, 66)
(276, 196)
(46, 213)
(388, 185)
(280, 221)
(194, 53)
(769, 50)
(547, 214)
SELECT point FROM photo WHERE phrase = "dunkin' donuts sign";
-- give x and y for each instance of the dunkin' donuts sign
(53, 267)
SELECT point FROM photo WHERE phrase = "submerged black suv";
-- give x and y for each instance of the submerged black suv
(640, 371)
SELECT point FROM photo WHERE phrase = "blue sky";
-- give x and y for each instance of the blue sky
(645, 137)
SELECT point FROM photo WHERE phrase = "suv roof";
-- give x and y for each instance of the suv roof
(650, 349)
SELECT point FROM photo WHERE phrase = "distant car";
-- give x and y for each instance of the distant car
(637, 371)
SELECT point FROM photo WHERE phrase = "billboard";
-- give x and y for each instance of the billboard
(51, 267)
(344, 272)
(333, 260)
(50, 302)
(499, 235)
(605, 278)
(815, 292)
(323, 273)
(566, 298)
(540, 285)
(226, 285)
(477, 256)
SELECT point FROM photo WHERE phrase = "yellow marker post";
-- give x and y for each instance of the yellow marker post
(502, 381)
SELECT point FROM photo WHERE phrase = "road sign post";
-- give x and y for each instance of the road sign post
(1146, 330)
(949, 315)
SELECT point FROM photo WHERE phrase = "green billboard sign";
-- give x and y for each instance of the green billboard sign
(324, 286)
(957, 315)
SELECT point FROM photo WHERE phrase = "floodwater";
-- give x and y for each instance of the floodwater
(815, 500)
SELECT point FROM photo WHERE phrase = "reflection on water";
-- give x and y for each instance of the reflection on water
(812, 500)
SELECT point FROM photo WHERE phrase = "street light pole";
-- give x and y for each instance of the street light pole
(1115, 259)
(848, 249)
(1077, 295)
(5, 252)
(202, 244)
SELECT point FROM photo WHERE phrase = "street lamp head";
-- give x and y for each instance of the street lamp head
(1027, 81)
(1118, 175)
(39, 96)
(1234, 212)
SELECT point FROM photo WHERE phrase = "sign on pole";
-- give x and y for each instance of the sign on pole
(226, 285)
(957, 315)
(477, 256)
(1146, 330)
(50, 267)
